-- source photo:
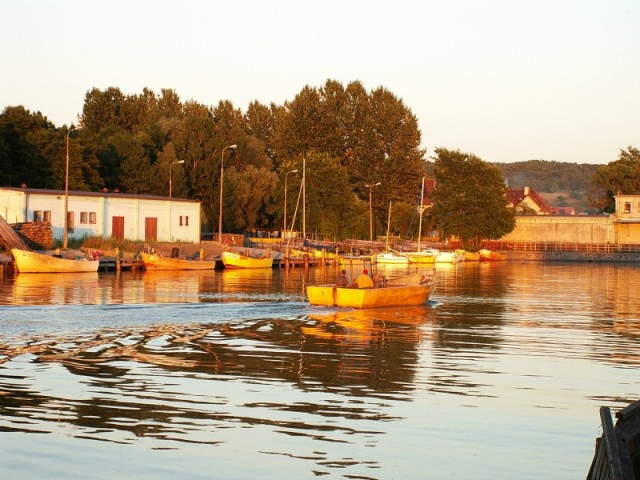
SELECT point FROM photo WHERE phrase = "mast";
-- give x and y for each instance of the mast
(304, 198)
(388, 225)
(421, 208)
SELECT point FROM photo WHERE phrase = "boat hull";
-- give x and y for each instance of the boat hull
(491, 256)
(391, 259)
(153, 261)
(33, 262)
(392, 296)
(235, 260)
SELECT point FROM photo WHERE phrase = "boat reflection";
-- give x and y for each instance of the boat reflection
(53, 288)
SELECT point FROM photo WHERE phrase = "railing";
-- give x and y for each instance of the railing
(563, 247)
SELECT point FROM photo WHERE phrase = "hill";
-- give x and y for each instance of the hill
(559, 183)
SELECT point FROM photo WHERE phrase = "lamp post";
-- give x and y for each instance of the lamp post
(170, 183)
(371, 211)
(284, 228)
(231, 147)
(65, 235)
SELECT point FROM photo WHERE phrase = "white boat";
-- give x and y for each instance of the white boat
(449, 257)
(391, 258)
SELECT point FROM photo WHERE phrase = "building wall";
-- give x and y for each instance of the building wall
(177, 220)
(562, 229)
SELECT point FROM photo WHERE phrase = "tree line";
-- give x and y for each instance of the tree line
(348, 138)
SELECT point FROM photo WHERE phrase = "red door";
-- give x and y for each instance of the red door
(150, 229)
(117, 227)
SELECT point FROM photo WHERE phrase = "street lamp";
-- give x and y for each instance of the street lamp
(231, 147)
(284, 228)
(65, 234)
(371, 211)
(174, 163)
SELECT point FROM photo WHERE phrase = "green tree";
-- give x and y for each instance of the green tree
(469, 200)
(620, 176)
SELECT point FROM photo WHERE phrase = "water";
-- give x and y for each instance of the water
(229, 375)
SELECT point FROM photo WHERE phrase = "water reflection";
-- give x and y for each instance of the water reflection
(238, 360)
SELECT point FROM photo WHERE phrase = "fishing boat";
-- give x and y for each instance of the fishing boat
(469, 256)
(237, 260)
(396, 295)
(490, 255)
(54, 262)
(154, 261)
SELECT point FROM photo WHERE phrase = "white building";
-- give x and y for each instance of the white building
(95, 214)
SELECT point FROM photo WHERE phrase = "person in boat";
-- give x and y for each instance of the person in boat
(378, 280)
(342, 280)
(364, 280)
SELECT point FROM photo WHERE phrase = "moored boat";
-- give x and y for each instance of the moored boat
(396, 295)
(469, 256)
(490, 255)
(449, 257)
(154, 261)
(237, 260)
(64, 262)
(422, 256)
(391, 258)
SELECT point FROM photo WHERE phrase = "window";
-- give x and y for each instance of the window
(37, 216)
(83, 217)
(186, 220)
(92, 217)
(46, 216)
(180, 220)
(627, 207)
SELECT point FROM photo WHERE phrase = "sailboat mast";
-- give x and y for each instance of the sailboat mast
(388, 225)
(421, 208)
(304, 198)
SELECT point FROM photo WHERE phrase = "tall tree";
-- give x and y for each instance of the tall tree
(620, 176)
(469, 200)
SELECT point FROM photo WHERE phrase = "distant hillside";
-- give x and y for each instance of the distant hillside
(547, 176)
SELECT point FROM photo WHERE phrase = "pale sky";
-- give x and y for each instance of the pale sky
(506, 80)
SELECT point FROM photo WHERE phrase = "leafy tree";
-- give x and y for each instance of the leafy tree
(469, 200)
(620, 176)
(247, 193)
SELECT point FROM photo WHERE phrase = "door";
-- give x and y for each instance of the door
(117, 227)
(150, 229)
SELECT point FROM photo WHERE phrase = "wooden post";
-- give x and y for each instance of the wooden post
(202, 254)
(117, 259)
(286, 258)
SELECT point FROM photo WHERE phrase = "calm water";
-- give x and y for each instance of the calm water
(231, 375)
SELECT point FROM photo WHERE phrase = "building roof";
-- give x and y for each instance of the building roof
(114, 194)
(516, 196)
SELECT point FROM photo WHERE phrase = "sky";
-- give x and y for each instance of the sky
(505, 80)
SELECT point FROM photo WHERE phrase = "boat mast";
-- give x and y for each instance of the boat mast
(386, 247)
(420, 223)
(304, 198)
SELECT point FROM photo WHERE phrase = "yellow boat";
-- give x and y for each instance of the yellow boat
(34, 262)
(423, 256)
(490, 255)
(236, 260)
(469, 256)
(389, 296)
(153, 261)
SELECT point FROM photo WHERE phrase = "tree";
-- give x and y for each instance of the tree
(469, 200)
(621, 176)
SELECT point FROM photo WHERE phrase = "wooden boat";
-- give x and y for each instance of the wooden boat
(389, 296)
(237, 260)
(490, 255)
(469, 256)
(154, 261)
(66, 262)
(617, 456)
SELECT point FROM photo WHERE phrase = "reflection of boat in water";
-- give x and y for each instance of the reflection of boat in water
(237, 260)
(410, 293)
(154, 261)
(56, 289)
(65, 262)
